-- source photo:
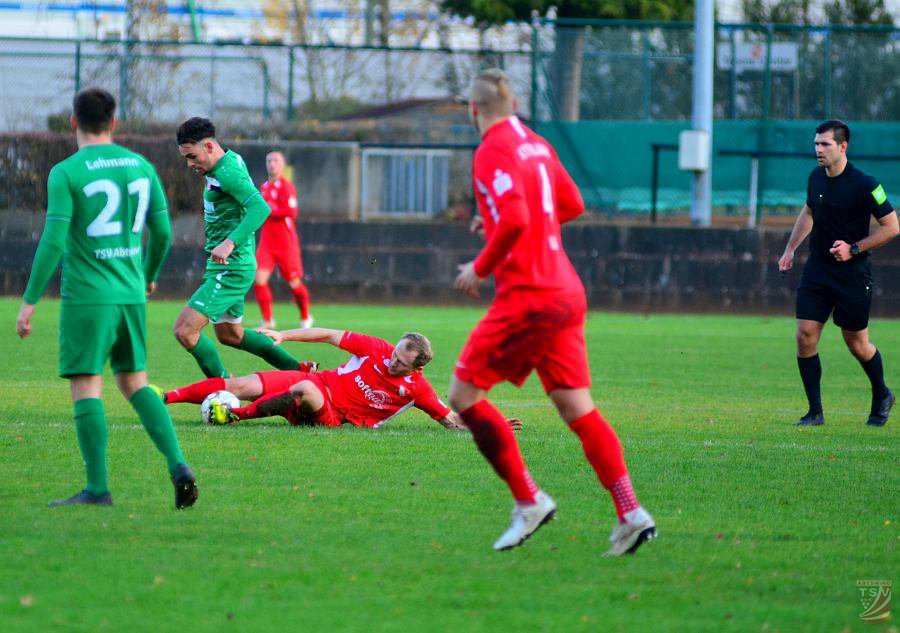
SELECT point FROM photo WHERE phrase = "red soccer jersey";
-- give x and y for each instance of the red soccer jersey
(279, 226)
(524, 193)
(365, 394)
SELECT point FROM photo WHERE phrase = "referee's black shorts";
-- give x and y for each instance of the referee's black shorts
(844, 288)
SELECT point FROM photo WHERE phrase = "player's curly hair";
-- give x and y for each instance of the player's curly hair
(421, 346)
(195, 130)
(94, 109)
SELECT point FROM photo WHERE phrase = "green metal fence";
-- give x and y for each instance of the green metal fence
(606, 92)
(599, 70)
(603, 91)
(164, 82)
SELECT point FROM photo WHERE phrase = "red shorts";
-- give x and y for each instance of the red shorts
(526, 330)
(280, 246)
(275, 381)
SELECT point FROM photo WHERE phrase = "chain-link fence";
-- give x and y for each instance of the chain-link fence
(592, 70)
(604, 92)
(162, 83)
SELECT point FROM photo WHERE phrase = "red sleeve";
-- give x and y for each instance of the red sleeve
(291, 199)
(281, 207)
(569, 202)
(498, 180)
(364, 345)
(427, 400)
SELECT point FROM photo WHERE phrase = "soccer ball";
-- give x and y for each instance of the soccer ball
(222, 397)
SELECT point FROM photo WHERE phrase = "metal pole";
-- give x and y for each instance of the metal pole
(290, 87)
(195, 25)
(827, 74)
(732, 76)
(265, 87)
(534, 62)
(364, 184)
(701, 116)
(754, 186)
(648, 74)
(654, 182)
(767, 76)
(77, 66)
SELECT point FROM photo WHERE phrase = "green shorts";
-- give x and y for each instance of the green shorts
(91, 334)
(221, 296)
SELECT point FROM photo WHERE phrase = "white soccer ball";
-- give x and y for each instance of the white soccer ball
(222, 397)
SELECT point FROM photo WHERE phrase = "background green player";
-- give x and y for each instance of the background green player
(98, 202)
(233, 211)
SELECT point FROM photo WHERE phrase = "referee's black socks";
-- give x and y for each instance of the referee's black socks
(875, 371)
(811, 374)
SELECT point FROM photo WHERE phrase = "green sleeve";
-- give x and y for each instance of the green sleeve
(53, 240)
(46, 259)
(159, 228)
(257, 209)
(257, 212)
(158, 243)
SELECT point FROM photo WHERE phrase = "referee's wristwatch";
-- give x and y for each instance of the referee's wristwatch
(854, 249)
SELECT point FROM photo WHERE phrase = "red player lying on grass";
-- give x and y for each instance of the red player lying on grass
(377, 383)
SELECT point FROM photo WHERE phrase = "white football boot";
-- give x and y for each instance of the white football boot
(526, 520)
(267, 325)
(305, 324)
(638, 528)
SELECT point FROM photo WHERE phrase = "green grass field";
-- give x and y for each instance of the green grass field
(763, 526)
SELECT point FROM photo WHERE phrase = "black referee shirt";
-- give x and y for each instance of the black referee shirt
(841, 208)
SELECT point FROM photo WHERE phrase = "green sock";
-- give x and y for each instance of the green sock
(262, 346)
(155, 418)
(90, 425)
(204, 352)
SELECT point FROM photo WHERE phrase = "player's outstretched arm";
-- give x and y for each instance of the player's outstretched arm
(454, 422)
(308, 335)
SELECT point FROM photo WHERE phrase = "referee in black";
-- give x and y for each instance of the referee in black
(837, 276)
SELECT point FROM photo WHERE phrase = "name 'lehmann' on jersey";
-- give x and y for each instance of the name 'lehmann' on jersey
(103, 163)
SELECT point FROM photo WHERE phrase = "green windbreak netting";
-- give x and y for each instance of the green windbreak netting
(612, 162)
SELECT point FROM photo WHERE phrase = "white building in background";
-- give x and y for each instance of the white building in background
(342, 22)
(355, 22)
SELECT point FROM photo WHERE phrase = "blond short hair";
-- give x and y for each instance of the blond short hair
(421, 346)
(492, 92)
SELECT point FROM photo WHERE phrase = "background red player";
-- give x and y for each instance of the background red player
(279, 244)
(536, 321)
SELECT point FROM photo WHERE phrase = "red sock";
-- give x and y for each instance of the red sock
(195, 393)
(604, 451)
(301, 298)
(264, 298)
(264, 406)
(497, 443)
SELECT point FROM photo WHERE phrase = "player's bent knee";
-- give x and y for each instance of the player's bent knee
(308, 395)
(245, 387)
(229, 337)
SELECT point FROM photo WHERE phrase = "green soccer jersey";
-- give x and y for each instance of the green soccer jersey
(101, 196)
(234, 209)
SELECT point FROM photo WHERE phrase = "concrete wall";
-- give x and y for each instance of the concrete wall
(635, 268)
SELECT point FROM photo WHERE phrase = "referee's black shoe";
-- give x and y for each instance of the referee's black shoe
(186, 492)
(881, 409)
(811, 419)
